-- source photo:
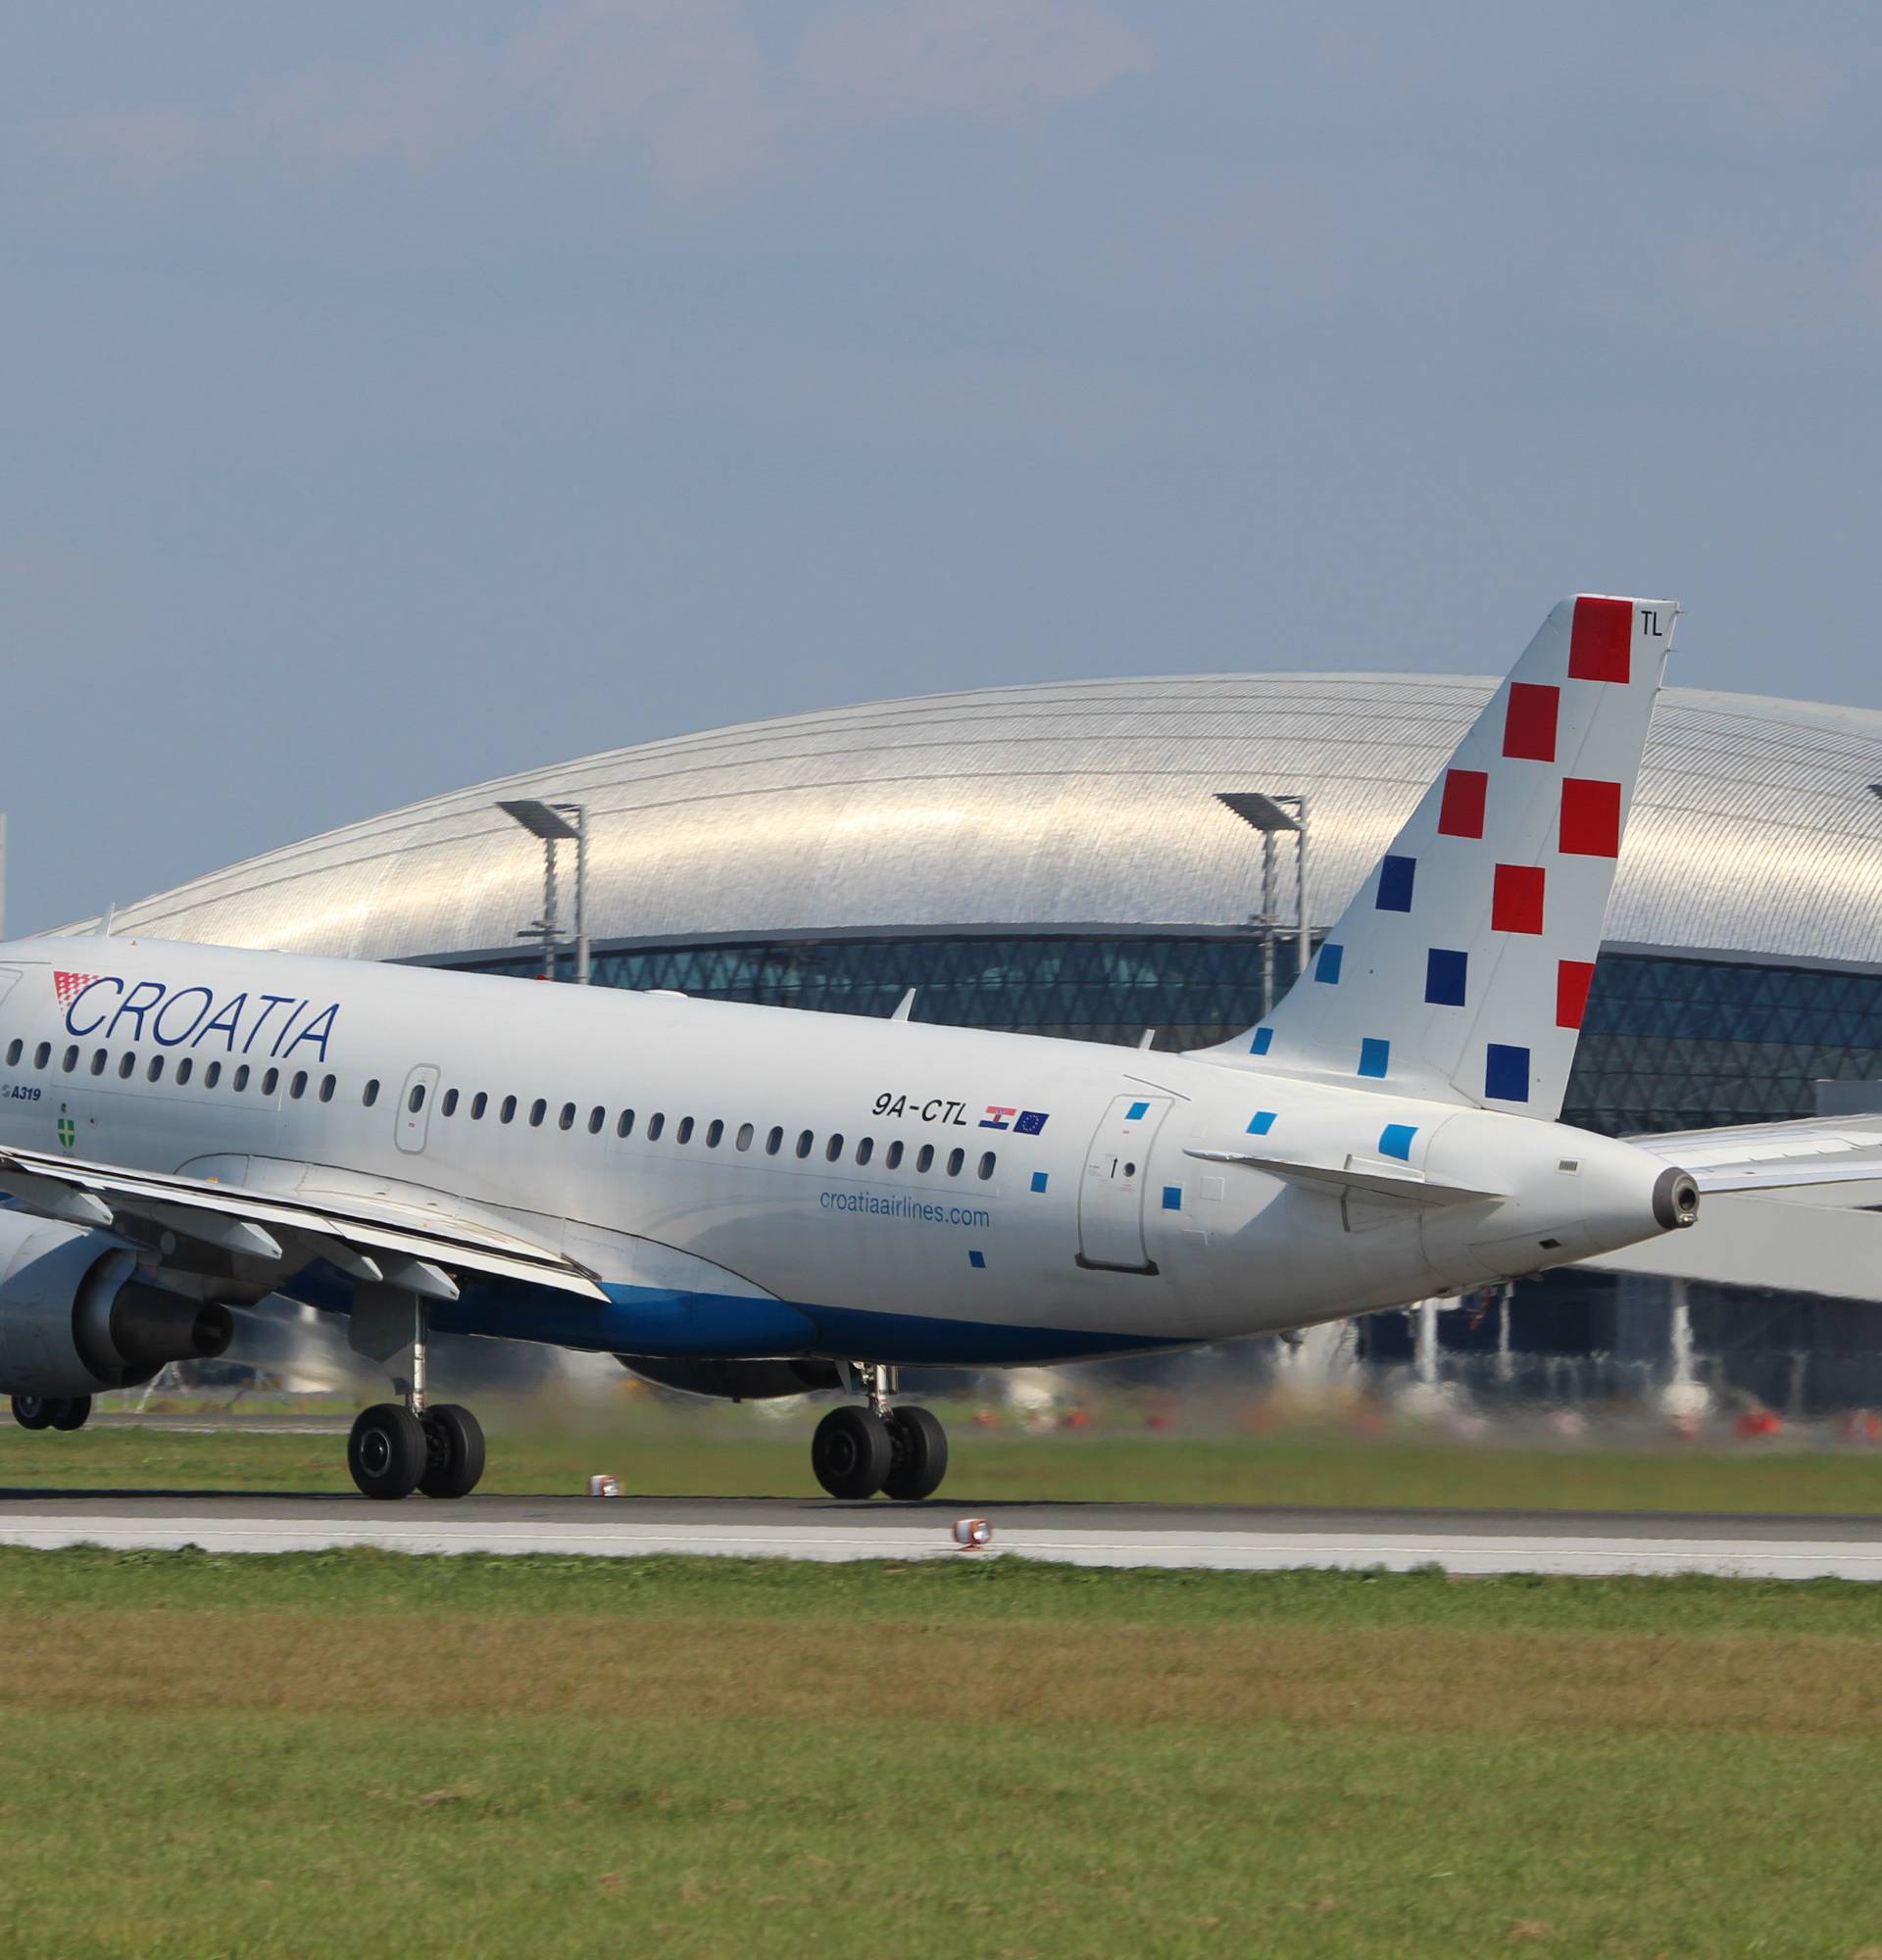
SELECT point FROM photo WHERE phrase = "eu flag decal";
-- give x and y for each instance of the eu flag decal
(1030, 1122)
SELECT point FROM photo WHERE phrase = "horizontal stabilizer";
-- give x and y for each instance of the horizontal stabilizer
(1367, 1174)
(1774, 1156)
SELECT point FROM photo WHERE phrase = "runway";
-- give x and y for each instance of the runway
(1224, 1539)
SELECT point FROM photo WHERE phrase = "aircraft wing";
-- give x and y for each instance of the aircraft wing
(368, 1238)
(1774, 1156)
(1372, 1175)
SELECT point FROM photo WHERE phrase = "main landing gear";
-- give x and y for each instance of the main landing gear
(398, 1447)
(903, 1452)
(395, 1449)
(52, 1411)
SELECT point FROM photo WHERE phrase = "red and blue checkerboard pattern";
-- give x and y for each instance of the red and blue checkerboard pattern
(1462, 966)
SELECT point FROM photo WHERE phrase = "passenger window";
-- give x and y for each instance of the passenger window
(745, 1134)
(297, 1087)
(804, 1142)
(479, 1102)
(127, 1067)
(507, 1112)
(684, 1134)
(924, 1156)
(327, 1089)
(597, 1116)
(625, 1126)
(538, 1109)
(98, 1060)
(370, 1093)
(239, 1081)
(271, 1081)
(211, 1075)
(986, 1165)
(715, 1130)
(184, 1068)
(447, 1107)
(566, 1120)
(14, 1049)
(415, 1100)
(894, 1158)
(956, 1159)
(656, 1123)
(833, 1150)
(43, 1054)
(72, 1060)
(155, 1072)
(774, 1143)
(864, 1149)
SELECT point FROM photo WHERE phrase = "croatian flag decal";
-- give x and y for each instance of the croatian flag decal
(997, 1117)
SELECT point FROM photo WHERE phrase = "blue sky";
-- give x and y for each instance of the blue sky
(396, 395)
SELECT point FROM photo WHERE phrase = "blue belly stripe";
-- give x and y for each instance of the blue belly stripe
(674, 1325)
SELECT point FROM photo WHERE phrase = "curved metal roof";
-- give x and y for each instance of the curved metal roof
(1754, 829)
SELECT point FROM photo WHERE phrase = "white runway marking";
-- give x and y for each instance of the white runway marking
(420, 1528)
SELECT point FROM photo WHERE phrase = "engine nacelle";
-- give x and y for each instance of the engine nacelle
(741, 1381)
(76, 1320)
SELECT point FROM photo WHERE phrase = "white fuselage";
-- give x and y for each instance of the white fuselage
(1042, 1202)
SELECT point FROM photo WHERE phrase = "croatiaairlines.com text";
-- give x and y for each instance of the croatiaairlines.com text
(873, 1205)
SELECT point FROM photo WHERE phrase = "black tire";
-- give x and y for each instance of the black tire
(70, 1413)
(851, 1453)
(32, 1411)
(452, 1451)
(920, 1455)
(386, 1451)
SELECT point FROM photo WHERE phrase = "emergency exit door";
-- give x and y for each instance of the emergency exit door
(1110, 1199)
(413, 1118)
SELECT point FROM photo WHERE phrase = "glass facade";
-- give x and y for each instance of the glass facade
(1672, 1044)
(1668, 1043)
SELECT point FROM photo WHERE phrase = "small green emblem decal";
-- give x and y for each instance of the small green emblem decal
(67, 1132)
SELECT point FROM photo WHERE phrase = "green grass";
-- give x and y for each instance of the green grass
(363, 1583)
(355, 1753)
(734, 1452)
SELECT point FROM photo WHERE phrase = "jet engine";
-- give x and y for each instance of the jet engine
(77, 1319)
(742, 1381)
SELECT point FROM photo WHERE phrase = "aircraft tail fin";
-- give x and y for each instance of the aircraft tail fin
(1461, 967)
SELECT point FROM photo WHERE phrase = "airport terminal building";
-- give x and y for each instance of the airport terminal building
(1055, 859)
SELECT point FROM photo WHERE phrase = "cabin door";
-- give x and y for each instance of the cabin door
(1110, 1199)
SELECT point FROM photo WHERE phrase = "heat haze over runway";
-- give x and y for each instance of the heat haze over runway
(1218, 1538)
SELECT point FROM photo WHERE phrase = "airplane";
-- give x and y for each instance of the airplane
(756, 1202)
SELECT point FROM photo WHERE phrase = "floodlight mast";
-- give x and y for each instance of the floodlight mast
(556, 823)
(1272, 816)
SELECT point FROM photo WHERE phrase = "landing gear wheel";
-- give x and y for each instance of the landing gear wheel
(452, 1451)
(32, 1411)
(387, 1451)
(70, 1413)
(851, 1453)
(920, 1454)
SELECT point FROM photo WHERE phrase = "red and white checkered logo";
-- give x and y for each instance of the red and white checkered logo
(68, 986)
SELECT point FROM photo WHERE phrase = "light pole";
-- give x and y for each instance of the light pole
(556, 823)
(1270, 817)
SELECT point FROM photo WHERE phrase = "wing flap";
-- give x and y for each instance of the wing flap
(48, 1186)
